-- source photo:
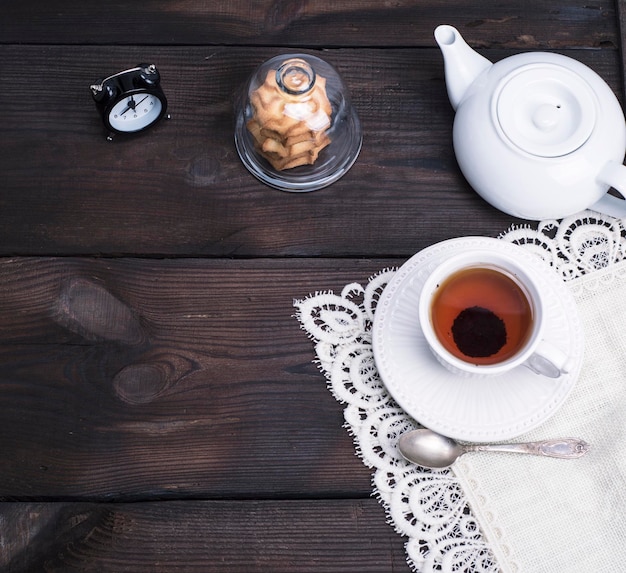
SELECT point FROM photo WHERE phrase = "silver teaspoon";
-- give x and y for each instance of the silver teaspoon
(431, 450)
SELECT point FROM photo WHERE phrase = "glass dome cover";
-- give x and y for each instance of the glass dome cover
(296, 129)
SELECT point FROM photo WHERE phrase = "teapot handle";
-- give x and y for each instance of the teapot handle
(614, 175)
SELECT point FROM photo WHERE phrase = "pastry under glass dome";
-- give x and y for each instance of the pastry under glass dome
(296, 129)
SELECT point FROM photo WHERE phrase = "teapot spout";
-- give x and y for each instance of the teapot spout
(462, 64)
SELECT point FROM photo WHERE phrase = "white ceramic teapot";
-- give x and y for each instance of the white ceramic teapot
(538, 135)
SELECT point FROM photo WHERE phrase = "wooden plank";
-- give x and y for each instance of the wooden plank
(181, 189)
(621, 27)
(200, 536)
(528, 25)
(140, 379)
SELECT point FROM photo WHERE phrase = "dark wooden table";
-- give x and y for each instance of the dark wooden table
(159, 408)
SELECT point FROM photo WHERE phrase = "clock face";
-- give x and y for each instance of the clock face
(135, 112)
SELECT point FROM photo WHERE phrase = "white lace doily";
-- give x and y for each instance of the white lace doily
(429, 507)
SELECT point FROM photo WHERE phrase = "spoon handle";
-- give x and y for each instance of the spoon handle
(564, 448)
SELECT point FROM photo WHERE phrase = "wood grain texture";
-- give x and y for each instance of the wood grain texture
(160, 408)
(528, 25)
(180, 190)
(141, 379)
(621, 30)
(201, 537)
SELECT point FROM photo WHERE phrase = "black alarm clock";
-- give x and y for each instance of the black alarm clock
(130, 101)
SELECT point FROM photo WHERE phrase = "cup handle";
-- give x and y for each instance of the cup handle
(614, 175)
(549, 361)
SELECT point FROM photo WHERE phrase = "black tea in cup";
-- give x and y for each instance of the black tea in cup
(482, 315)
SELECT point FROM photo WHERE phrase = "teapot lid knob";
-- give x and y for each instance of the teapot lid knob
(544, 109)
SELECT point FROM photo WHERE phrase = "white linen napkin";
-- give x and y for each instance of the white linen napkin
(542, 515)
(527, 515)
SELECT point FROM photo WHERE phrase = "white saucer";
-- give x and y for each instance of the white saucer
(470, 409)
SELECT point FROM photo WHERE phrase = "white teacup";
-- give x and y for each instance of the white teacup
(482, 313)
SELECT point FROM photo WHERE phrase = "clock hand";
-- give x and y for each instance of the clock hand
(132, 105)
(140, 102)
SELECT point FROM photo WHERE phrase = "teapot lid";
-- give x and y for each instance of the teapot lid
(544, 109)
